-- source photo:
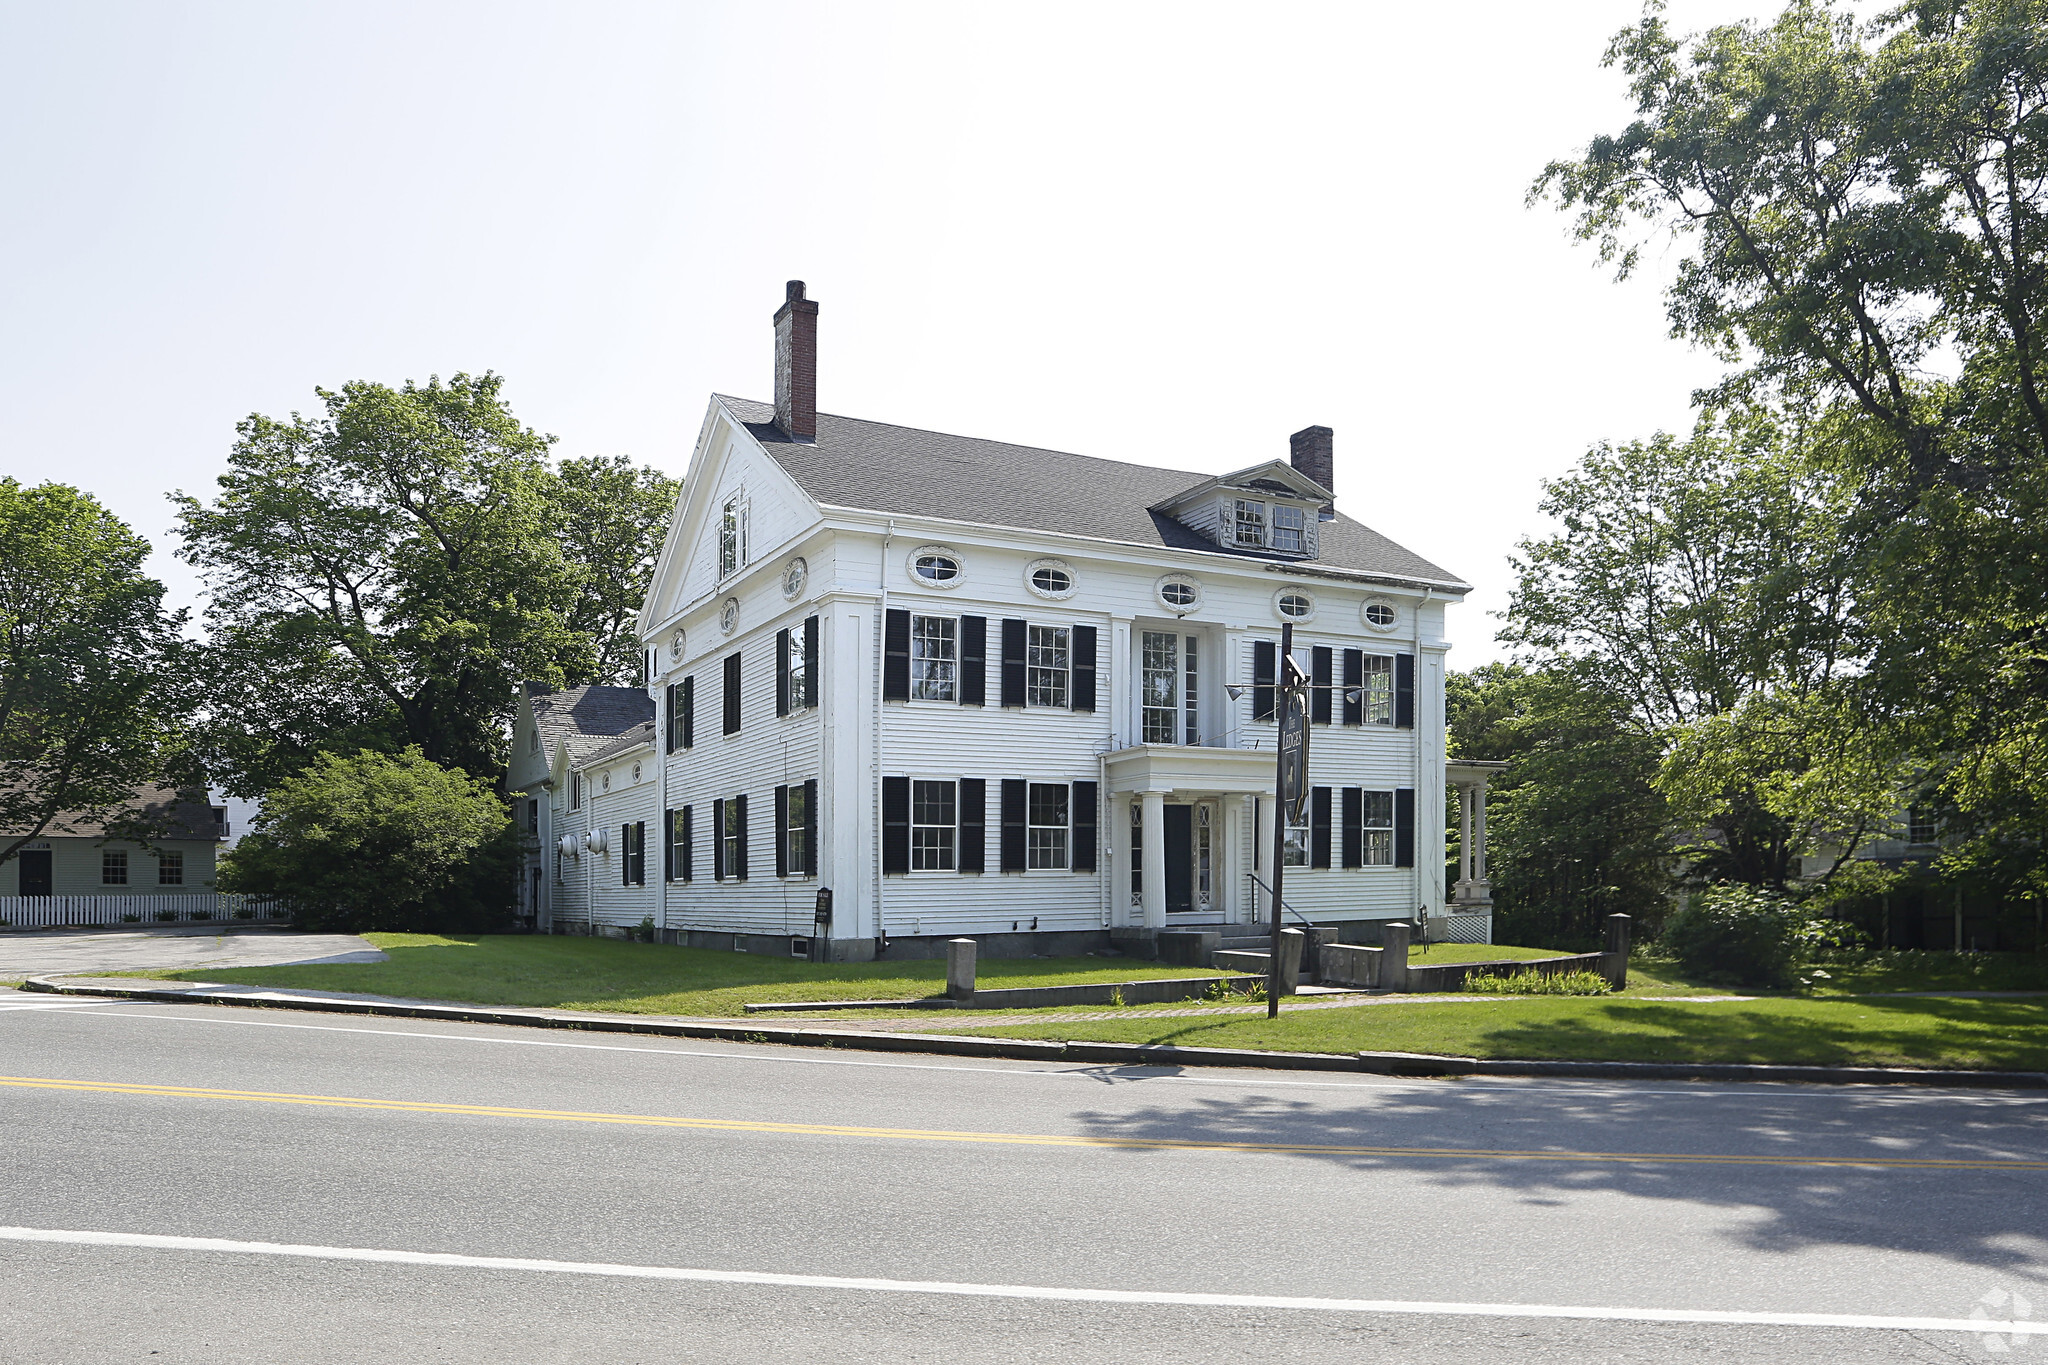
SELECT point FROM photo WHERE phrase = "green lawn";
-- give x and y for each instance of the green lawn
(638, 978)
(1980, 1034)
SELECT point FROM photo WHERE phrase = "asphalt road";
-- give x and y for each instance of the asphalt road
(628, 1175)
(71, 951)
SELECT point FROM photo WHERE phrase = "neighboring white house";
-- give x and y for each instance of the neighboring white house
(553, 733)
(165, 844)
(985, 689)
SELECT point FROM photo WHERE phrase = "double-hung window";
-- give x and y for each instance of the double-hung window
(114, 867)
(933, 820)
(1378, 689)
(1290, 529)
(796, 831)
(733, 838)
(170, 868)
(1045, 829)
(1378, 828)
(1250, 522)
(1046, 666)
(799, 665)
(934, 658)
(1160, 684)
(1295, 852)
(732, 537)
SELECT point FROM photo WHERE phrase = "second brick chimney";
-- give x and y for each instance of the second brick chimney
(1310, 451)
(796, 365)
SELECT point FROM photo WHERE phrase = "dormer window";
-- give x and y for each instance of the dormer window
(1289, 529)
(1251, 523)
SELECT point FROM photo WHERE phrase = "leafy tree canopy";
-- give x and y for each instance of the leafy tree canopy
(612, 516)
(381, 841)
(92, 667)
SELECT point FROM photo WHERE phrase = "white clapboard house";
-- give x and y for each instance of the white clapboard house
(973, 688)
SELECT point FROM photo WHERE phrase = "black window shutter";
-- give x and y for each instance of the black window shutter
(1083, 689)
(669, 735)
(689, 846)
(625, 855)
(639, 853)
(1084, 818)
(1354, 827)
(1013, 825)
(689, 710)
(1264, 656)
(811, 692)
(718, 839)
(973, 661)
(973, 807)
(895, 824)
(810, 867)
(782, 698)
(668, 845)
(1013, 663)
(1404, 827)
(1319, 827)
(1404, 691)
(896, 655)
(782, 829)
(1354, 685)
(1321, 666)
(732, 694)
(741, 870)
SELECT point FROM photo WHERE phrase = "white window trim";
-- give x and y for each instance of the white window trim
(914, 826)
(1159, 593)
(1066, 671)
(796, 576)
(1368, 604)
(914, 698)
(1031, 571)
(739, 508)
(1294, 592)
(959, 560)
(729, 616)
(1066, 863)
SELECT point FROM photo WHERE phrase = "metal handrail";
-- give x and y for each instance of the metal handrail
(1283, 900)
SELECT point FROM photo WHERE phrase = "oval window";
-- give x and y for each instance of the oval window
(729, 615)
(938, 568)
(676, 643)
(1179, 594)
(1052, 580)
(636, 772)
(1296, 606)
(1379, 614)
(793, 578)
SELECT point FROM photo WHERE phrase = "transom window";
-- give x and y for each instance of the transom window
(1251, 522)
(933, 821)
(1295, 606)
(1046, 667)
(1379, 829)
(938, 568)
(1377, 697)
(1046, 826)
(1289, 531)
(934, 658)
(732, 536)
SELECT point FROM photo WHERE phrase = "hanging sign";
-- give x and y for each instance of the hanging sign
(1294, 745)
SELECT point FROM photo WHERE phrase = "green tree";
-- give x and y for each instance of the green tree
(1576, 826)
(92, 668)
(613, 516)
(375, 841)
(383, 574)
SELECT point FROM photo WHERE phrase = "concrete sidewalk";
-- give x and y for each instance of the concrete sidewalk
(44, 952)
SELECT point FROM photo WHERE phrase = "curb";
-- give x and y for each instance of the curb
(1122, 1054)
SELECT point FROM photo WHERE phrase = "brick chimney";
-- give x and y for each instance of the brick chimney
(796, 365)
(1309, 450)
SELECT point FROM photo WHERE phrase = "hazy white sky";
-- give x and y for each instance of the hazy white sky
(1170, 233)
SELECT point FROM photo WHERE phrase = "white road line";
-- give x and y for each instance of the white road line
(61, 1005)
(1982, 1326)
(1466, 1086)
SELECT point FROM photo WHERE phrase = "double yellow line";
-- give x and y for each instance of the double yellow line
(188, 1092)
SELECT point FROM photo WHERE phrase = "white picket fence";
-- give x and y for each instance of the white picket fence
(51, 912)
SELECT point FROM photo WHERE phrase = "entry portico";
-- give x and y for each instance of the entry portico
(1185, 810)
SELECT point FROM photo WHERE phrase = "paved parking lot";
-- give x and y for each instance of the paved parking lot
(37, 953)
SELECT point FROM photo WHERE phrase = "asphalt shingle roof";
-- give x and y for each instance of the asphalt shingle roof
(633, 738)
(589, 718)
(877, 467)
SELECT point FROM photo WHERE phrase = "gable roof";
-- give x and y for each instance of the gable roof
(632, 739)
(157, 813)
(877, 467)
(587, 719)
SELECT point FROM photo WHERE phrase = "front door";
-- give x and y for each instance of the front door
(1180, 859)
(35, 872)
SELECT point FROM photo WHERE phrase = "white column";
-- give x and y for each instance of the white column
(1229, 853)
(1153, 814)
(1263, 858)
(1119, 844)
(1478, 799)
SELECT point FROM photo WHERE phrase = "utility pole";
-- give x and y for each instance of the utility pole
(1290, 789)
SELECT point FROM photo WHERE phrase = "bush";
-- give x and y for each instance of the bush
(131, 919)
(202, 914)
(1529, 982)
(166, 916)
(1740, 935)
(382, 841)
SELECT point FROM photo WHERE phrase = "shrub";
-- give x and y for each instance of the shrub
(202, 914)
(1741, 935)
(166, 916)
(131, 919)
(1531, 982)
(382, 841)
(245, 913)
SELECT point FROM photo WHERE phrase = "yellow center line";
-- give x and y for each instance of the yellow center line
(1013, 1139)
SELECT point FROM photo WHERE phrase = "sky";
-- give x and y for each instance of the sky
(1166, 233)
